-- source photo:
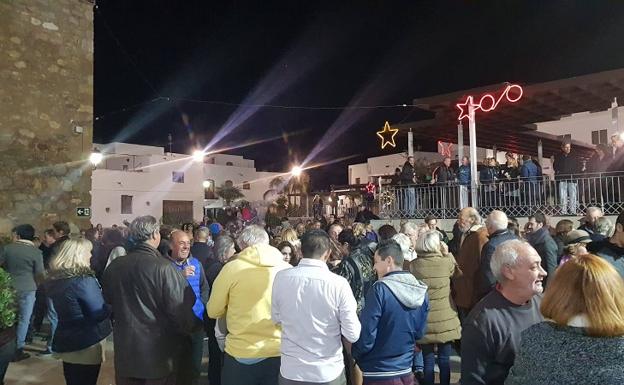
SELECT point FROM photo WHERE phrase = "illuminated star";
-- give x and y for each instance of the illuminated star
(464, 109)
(370, 188)
(391, 132)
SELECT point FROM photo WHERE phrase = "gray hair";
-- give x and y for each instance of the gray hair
(143, 228)
(252, 235)
(222, 244)
(202, 233)
(604, 226)
(506, 254)
(473, 214)
(428, 242)
(592, 209)
(497, 220)
(408, 226)
(403, 241)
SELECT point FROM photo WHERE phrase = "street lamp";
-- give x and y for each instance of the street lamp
(206, 184)
(198, 156)
(296, 171)
(96, 157)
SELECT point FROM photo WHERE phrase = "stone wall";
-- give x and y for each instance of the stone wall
(46, 90)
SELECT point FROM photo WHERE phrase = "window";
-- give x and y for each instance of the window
(229, 183)
(124, 167)
(177, 177)
(209, 189)
(126, 204)
(229, 164)
(246, 186)
(599, 137)
(357, 180)
(565, 137)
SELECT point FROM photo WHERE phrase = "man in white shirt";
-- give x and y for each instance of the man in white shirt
(315, 309)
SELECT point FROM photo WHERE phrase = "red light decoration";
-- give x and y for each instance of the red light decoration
(445, 149)
(488, 102)
(370, 188)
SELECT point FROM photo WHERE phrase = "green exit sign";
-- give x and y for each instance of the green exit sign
(83, 211)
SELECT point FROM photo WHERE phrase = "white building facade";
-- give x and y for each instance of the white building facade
(135, 180)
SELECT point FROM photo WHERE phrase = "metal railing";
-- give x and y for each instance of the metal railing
(569, 195)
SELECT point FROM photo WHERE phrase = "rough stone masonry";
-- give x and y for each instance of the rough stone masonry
(46, 90)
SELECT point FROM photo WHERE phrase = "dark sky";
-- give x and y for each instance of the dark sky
(315, 54)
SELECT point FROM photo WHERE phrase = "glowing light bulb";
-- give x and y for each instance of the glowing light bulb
(296, 171)
(96, 157)
(198, 156)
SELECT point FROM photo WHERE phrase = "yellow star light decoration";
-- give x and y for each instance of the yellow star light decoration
(387, 131)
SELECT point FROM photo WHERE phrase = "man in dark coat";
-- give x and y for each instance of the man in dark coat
(152, 309)
(496, 225)
(408, 177)
(567, 168)
(539, 237)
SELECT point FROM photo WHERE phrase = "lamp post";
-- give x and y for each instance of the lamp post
(468, 109)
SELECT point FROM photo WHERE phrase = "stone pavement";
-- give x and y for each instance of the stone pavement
(46, 370)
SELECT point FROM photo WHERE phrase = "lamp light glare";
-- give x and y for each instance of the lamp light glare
(96, 157)
(296, 171)
(198, 156)
(206, 184)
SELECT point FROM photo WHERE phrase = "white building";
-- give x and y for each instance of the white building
(135, 180)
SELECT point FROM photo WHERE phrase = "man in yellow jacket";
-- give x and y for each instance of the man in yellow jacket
(242, 294)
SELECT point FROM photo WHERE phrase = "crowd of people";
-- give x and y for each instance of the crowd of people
(326, 301)
(517, 181)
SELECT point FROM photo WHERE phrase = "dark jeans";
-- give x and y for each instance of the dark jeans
(191, 358)
(169, 380)
(215, 355)
(444, 353)
(76, 374)
(7, 352)
(265, 372)
(407, 379)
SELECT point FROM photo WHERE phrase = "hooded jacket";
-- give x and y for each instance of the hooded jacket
(393, 319)
(82, 314)
(435, 270)
(547, 249)
(242, 293)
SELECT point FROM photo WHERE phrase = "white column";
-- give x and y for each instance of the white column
(540, 152)
(410, 143)
(460, 141)
(472, 133)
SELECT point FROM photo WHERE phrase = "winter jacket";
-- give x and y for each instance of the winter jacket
(551, 354)
(83, 316)
(394, 318)
(407, 174)
(242, 294)
(610, 252)
(463, 175)
(529, 171)
(435, 270)
(444, 175)
(488, 175)
(358, 270)
(203, 252)
(152, 310)
(547, 249)
(469, 261)
(487, 280)
(566, 166)
(198, 283)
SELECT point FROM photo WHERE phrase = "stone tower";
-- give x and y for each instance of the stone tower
(46, 111)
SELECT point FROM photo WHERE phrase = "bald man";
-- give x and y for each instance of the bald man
(496, 225)
(192, 350)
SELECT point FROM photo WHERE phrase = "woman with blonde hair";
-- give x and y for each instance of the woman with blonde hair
(291, 236)
(84, 317)
(435, 266)
(582, 340)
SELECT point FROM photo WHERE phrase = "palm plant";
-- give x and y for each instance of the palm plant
(229, 193)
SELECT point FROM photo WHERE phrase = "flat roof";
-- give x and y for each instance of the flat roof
(511, 126)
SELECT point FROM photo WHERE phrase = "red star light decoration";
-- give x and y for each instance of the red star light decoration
(387, 132)
(488, 102)
(370, 188)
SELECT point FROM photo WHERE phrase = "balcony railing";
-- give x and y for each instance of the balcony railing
(569, 195)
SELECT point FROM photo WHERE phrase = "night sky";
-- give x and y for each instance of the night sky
(315, 54)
